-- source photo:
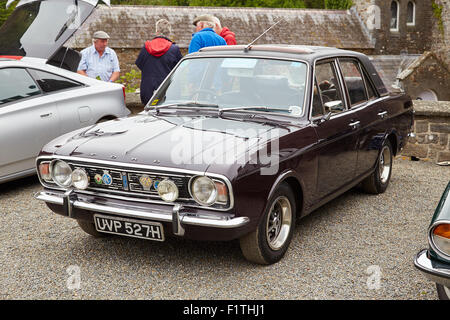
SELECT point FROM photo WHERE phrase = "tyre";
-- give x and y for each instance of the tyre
(443, 292)
(271, 239)
(89, 228)
(378, 181)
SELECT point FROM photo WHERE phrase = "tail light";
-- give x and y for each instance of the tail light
(124, 95)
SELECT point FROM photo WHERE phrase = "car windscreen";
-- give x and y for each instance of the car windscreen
(234, 82)
(39, 28)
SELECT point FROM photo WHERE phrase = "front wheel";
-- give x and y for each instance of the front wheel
(443, 292)
(378, 181)
(271, 239)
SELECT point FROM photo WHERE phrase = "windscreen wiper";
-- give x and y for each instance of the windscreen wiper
(185, 105)
(256, 108)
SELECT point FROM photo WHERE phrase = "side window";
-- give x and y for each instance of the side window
(317, 107)
(328, 87)
(370, 91)
(16, 84)
(354, 81)
(51, 82)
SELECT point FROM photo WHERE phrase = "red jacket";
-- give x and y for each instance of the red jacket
(229, 36)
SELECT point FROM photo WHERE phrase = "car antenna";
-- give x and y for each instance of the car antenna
(249, 46)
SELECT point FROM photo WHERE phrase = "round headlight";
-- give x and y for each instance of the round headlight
(80, 179)
(61, 173)
(441, 238)
(204, 191)
(168, 190)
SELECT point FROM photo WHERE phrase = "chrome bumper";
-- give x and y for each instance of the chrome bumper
(176, 216)
(432, 272)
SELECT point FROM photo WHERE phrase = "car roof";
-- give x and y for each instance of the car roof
(302, 52)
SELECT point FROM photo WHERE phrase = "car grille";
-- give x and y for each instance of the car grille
(136, 182)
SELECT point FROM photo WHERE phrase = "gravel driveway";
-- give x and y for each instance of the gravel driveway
(358, 246)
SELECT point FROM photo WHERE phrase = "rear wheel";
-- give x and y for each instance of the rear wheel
(89, 228)
(443, 292)
(378, 181)
(271, 239)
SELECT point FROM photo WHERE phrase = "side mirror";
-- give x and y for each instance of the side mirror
(334, 106)
(323, 118)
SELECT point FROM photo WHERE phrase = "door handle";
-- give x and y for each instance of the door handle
(382, 114)
(46, 115)
(355, 124)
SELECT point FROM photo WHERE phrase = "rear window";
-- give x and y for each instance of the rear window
(50, 82)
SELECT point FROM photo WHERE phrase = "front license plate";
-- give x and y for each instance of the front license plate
(130, 228)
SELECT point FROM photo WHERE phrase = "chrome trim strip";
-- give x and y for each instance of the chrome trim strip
(441, 254)
(424, 264)
(142, 167)
(143, 213)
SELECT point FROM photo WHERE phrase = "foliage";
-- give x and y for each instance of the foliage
(130, 80)
(4, 13)
(437, 12)
(319, 4)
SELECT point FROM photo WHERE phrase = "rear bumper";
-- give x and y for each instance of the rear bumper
(176, 216)
(433, 270)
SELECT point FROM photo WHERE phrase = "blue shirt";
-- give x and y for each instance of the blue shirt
(94, 65)
(205, 38)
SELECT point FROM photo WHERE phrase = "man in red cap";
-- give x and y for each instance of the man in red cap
(224, 32)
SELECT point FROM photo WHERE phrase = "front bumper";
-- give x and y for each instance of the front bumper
(178, 216)
(435, 271)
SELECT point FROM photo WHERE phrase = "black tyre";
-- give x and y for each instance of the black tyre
(378, 181)
(271, 239)
(89, 228)
(443, 292)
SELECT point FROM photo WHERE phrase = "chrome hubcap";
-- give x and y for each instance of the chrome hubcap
(278, 223)
(384, 164)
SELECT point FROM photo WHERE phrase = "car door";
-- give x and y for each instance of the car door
(371, 113)
(28, 120)
(74, 107)
(338, 135)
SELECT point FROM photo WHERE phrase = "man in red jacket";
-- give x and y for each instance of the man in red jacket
(156, 59)
(224, 32)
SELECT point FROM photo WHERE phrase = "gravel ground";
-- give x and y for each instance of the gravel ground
(338, 252)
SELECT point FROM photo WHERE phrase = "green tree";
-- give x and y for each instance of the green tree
(4, 13)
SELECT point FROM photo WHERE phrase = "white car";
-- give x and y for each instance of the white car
(40, 101)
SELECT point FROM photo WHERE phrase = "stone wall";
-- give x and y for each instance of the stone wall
(432, 131)
(441, 35)
(417, 38)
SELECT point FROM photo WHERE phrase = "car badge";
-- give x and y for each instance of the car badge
(124, 180)
(98, 179)
(155, 184)
(106, 178)
(146, 182)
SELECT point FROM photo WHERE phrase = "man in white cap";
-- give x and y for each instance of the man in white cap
(99, 61)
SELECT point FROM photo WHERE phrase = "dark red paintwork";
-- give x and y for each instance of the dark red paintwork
(319, 160)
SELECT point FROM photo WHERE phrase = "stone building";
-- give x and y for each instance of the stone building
(395, 32)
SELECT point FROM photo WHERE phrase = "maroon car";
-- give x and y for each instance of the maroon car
(237, 143)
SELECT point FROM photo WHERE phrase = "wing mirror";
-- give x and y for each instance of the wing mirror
(334, 106)
(323, 118)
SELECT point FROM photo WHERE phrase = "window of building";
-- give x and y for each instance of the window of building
(411, 14)
(394, 15)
